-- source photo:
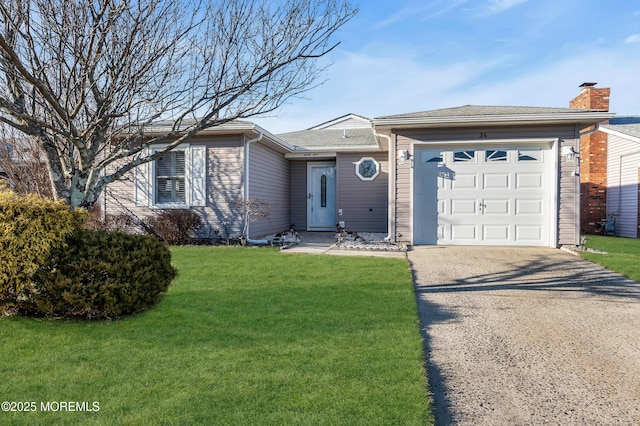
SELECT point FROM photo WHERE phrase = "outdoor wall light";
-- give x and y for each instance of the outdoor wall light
(403, 156)
(569, 153)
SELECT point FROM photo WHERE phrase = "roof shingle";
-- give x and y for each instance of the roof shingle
(328, 138)
(479, 110)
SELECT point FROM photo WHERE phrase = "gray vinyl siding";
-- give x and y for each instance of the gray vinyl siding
(364, 204)
(623, 161)
(269, 181)
(224, 186)
(403, 193)
(568, 194)
(567, 214)
(298, 193)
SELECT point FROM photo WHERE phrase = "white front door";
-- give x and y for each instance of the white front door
(483, 195)
(321, 196)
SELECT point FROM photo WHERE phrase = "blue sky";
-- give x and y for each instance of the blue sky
(415, 55)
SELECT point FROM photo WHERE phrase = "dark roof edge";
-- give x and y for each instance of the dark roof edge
(497, 119)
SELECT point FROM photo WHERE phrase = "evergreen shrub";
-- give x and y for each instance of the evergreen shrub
(30, 229)
(102, 274)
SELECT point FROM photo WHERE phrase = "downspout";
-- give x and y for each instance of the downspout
(246, 187)
(588, 132)
(391, 212)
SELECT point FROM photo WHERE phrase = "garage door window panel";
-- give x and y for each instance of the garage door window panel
(432, 157)
(530, 154)
(495, 156)
(464, 156)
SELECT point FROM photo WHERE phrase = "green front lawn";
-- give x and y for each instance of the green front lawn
(623, 254)
(244, 336)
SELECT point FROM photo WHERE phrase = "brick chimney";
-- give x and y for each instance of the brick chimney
(593, 162)
(591, 97)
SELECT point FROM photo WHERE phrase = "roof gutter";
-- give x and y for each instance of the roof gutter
(596, 127)
(230, 128)
(462, 121)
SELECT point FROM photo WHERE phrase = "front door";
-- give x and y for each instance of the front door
(321, 196)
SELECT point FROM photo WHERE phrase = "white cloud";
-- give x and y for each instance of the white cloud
(557, 84)
(376, 86)
(373, 86)
(494, 7)
(635, 38)
(423, 11)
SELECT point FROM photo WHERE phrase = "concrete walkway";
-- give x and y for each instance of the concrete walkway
(519, 336)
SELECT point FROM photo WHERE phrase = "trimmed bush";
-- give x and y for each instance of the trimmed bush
(102, 274)
(175, 226)
(30, 229)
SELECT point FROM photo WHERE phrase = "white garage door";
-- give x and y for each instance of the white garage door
(483, 196)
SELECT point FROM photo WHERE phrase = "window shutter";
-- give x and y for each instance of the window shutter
(142, 184)
(197, 175)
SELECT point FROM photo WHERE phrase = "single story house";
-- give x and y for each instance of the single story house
(623, 174)
(473, 175)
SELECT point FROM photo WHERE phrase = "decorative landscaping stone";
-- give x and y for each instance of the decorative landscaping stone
(576, 249)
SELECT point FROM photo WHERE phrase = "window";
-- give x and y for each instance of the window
(464, 156)
(6, 151)
(367, 169)
(177, 179)
(530, 154)
(170, 178)
(323, 191)
(495, 155)
(432, 157)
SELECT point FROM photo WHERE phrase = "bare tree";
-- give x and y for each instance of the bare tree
(252, 209)
(22, 164)
(84, 79)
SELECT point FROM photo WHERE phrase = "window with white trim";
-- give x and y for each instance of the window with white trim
(170, 178)
(177, 179)
(367, 168)
(530, 154)
(495, 155)
(432, 157)
(464, 156)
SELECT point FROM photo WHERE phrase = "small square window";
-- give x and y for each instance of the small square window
(495, 155)
(530, 154)
(464, 156)
(433, 157)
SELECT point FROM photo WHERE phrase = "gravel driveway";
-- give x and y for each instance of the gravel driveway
(519, 336)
